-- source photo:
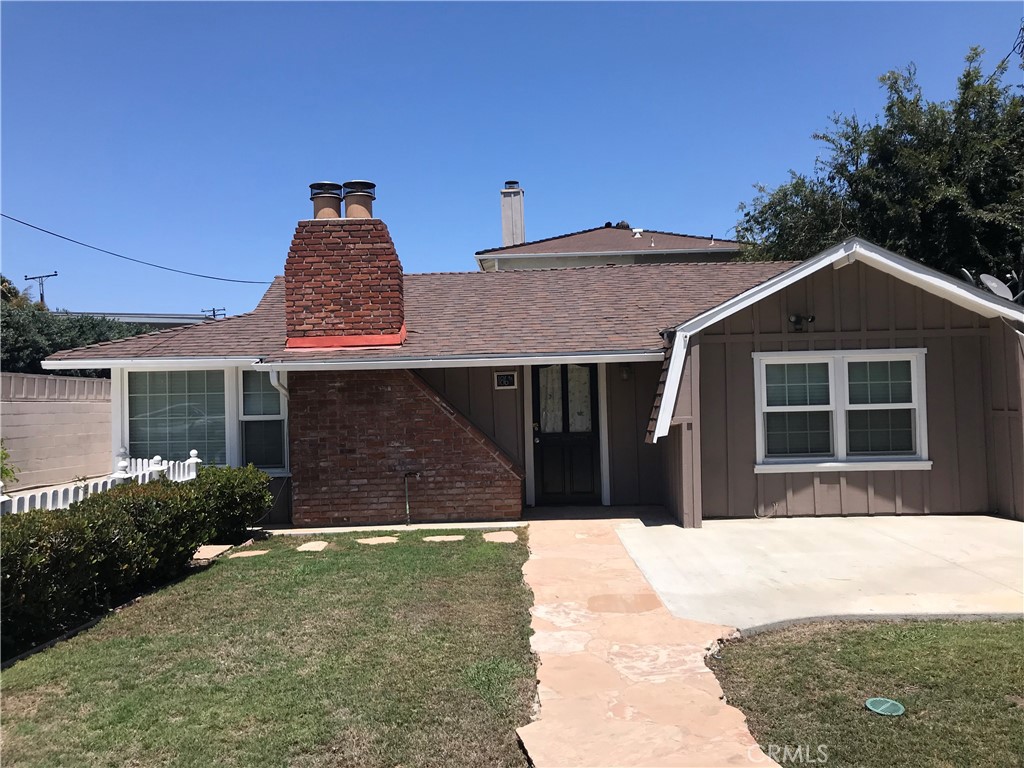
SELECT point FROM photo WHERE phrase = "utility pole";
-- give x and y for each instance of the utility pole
(213, 312)
(41, 279)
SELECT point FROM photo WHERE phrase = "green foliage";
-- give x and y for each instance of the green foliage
(234, 499)
(940, 182)
(61, 567)
(29, 332)
(8, 472)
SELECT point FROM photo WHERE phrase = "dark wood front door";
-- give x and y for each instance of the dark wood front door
(566, 455)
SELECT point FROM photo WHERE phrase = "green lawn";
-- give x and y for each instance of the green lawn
(407, 654)
(962, 684)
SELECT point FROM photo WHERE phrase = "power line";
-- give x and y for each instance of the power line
(137, 261)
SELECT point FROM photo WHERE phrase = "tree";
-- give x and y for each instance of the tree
(29, 332)
(939, 182)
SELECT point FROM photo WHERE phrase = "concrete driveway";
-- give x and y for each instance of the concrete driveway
(753, 573)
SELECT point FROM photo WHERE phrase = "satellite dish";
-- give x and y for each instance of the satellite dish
(997, 286)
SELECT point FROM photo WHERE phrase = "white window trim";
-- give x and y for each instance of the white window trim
(242, 417)
(119, 423)
(839, 403)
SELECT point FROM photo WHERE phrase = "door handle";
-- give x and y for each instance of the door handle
(536, 439)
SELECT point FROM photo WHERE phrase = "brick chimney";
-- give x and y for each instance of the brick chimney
(343, 279)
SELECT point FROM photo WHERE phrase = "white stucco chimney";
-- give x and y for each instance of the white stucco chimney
(513, 230)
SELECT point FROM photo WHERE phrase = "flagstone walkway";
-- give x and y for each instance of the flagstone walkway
(621, 681)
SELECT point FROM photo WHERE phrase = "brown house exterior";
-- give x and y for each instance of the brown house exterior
(854, 383)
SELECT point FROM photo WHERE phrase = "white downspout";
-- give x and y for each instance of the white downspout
(277, 383)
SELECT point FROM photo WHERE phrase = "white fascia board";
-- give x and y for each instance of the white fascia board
(461, 362)
(151, 363)
(939, 284)
(675, 374)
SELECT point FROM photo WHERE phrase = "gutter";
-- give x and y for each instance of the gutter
(149, 363)
(637, 356)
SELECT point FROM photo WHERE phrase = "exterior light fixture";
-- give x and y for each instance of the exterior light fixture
(798, 321)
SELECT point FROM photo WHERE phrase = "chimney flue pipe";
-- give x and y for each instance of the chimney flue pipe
(359, 197)
(326, 197)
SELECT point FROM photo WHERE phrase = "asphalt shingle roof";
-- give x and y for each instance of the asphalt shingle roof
(515, 313)
(614, 240)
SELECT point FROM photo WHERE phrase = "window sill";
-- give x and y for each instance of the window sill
(876, 465)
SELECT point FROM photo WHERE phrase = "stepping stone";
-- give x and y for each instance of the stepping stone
(313, 546)
(210, 551)
(443, 538)
(249, 553)
(378, 540)
(501, 537)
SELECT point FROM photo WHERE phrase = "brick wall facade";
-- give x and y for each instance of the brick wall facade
(353, 435)
(343, 278)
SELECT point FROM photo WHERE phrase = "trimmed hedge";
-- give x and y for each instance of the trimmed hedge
(62, 567)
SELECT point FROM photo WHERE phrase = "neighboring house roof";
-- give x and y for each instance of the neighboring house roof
(165, 319)
(612, 239)
(853, 249)
(474, 315)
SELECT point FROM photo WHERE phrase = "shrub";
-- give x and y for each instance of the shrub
(62, 567)
(234, 498)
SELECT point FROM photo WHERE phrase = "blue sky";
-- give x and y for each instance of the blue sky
(187, 133)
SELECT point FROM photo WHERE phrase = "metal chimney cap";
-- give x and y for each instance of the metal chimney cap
(360, 188)
(325, 189)
(511, 184)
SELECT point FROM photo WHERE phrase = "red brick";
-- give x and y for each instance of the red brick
(335, 272)
(354, 434)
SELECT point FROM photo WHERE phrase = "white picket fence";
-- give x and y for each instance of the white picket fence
(63, 496)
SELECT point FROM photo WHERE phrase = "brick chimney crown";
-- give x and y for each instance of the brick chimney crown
(343, 278)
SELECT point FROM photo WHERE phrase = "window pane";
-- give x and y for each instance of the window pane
(579, 398)
(550, 386)
(797, 384)
(799, 433)
(173, 412)
(881, 431)
(880, 382)
(259, 398)
(263, 443)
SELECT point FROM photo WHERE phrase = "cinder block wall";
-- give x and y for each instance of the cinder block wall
(56, 428)
(354, 435)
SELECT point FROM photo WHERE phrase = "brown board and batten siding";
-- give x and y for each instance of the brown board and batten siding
(498, 413)
(858, 307)
(1006, 419)
(682, 456)
(635, 466)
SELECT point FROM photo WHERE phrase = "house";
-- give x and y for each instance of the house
(599, 246)
(855, 382)
(157, 320)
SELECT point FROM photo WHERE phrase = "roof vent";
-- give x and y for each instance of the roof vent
(637, 232)
(511, 184)
(359, 197)
(326, 197)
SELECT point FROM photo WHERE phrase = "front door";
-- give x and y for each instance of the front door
(566, 454)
